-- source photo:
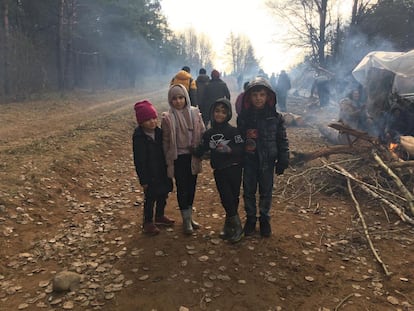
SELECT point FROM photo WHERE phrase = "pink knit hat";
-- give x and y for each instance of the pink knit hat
(145, 111)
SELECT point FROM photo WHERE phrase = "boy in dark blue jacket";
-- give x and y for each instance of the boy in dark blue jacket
(226, 149)
(266, 151)
(151, 167)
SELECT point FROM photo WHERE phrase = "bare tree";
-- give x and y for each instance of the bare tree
(197, 48)
(359, 9)
(205, 51)
(240, 54)
(308, 21)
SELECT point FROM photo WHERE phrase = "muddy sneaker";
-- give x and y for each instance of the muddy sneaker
(265, 229)
(164, 221)
(150, 229)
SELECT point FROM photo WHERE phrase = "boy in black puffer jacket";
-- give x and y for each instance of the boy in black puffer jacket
(226, 149)
(266, 151)
(151, 167)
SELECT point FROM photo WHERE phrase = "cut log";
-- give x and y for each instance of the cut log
(292, 119)
(407, 142)
(357, 134)
(302, 157)
(401, 164)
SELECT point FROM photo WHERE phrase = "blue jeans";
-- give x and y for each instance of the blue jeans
(255, 177)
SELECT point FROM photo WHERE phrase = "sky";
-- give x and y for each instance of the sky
(218, 18)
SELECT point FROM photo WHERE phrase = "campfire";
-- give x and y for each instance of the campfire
(397, 152)
(393, 147)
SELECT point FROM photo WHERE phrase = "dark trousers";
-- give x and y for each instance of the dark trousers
(149, 202)
(185, 181)
(228, 181)
(205, 114)
(254, 176)
(281, 102)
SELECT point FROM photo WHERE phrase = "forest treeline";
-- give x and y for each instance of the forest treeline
(58, 45)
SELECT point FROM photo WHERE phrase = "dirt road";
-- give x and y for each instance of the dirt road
(70, 200)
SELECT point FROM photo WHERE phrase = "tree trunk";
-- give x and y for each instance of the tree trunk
(59, 49)
(6, 42)
(69, 66)
(322, 30)
(354, 13)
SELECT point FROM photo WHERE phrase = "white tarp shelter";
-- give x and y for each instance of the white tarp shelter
(400, 63)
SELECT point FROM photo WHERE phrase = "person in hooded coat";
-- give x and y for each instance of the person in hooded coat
(282, 87)
(266, 152)
(215, 89)
(184, 77)
(182, 128)
(225, 145)
(202, 81)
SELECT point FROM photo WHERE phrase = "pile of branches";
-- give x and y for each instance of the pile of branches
(364, 165)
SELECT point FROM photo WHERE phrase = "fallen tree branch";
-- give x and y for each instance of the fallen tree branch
(364, 225)
(343, 128)
(311, 169)
(302, 157)
(407, 194)
(340, 170)
(401, 164)
(343, 301)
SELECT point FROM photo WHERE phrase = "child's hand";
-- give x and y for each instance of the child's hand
(195, 152)
(280, 168)
(222, 148)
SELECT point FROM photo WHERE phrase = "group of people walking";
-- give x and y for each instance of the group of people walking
(248, 154)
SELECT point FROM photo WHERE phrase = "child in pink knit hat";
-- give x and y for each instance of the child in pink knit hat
(151, 167)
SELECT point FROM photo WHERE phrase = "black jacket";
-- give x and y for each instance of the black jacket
(222, 133)
(263, 129)
(215, 89)
(202, 82)
(150, 163)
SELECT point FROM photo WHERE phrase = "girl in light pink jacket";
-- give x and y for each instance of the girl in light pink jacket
(182, 127)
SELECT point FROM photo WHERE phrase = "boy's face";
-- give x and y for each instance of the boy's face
(178, 102)
(258, 98)
(150, 124)
(220, 114)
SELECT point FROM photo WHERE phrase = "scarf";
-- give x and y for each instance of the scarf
(183, 126)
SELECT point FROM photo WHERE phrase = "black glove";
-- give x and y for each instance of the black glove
(280, 168)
